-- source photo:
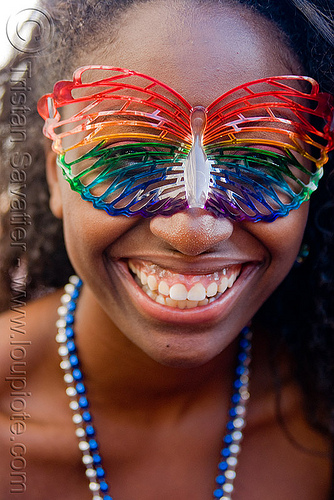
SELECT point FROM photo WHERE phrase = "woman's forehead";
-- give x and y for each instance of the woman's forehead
(200, 52)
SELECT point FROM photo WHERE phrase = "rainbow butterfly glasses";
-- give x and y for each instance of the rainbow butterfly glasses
(133, 146)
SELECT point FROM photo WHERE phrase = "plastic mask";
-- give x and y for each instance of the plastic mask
(133, 146)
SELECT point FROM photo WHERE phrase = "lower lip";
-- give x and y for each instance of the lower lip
(202, 314)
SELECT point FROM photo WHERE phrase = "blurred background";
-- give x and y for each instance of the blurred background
(13, 19)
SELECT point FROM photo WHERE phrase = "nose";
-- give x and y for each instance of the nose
(193, 231)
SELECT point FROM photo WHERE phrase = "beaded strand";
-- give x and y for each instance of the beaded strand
(82, 417)
(237, 422)
(76, 390)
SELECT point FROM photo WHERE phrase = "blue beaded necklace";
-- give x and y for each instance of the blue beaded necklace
(83, 420)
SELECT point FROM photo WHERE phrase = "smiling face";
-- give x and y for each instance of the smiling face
(200, 279)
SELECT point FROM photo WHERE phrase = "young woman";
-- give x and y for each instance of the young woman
(184, 154)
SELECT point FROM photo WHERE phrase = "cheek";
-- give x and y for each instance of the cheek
(89, 231)
(283, 239)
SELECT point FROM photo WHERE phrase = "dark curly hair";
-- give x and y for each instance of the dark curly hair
(300, 312)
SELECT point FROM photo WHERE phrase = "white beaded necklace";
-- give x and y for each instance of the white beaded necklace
(82, 417)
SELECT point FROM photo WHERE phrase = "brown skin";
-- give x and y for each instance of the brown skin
(160, 393)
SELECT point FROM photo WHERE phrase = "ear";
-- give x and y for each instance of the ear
(56, 204)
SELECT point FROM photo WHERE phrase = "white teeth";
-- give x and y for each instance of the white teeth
(143, 278)
(171, 302)
(223, 285)
(197, 292)
(231, 280)
(181, 304)
(161, 300)
(132, 267)
(191, 303)
(212, 289)
(203, 302)
(178, 292)
(163, 288)
(151, 294)
(152, 282)
(177, 295)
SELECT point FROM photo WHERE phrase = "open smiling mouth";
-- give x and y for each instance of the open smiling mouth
(182, 291)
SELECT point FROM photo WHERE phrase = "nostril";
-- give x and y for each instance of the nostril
(193, 231)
